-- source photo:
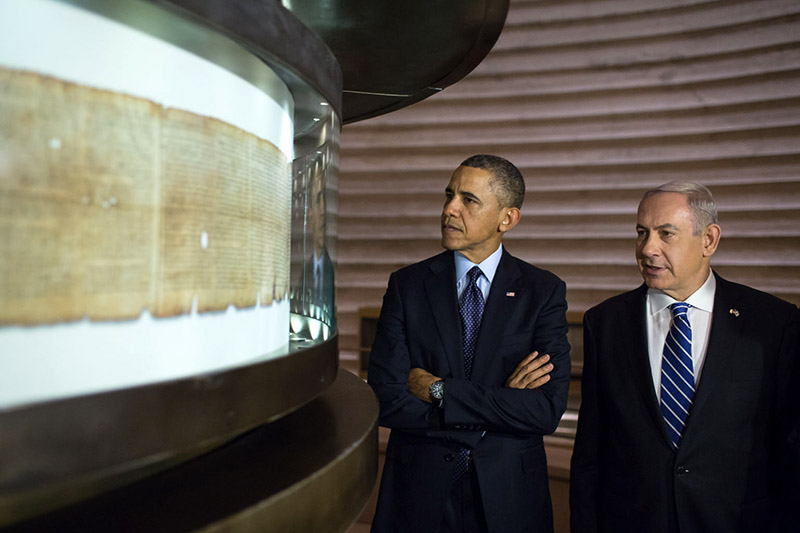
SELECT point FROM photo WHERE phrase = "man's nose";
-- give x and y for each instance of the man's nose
(451, 207)
(649, 246)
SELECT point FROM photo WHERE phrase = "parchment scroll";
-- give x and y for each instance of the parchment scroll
(111, 204)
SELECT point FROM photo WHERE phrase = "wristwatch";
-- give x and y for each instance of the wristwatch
(436, 390)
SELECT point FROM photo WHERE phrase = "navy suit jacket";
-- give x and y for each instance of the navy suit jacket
(734, 469)
(419, 326)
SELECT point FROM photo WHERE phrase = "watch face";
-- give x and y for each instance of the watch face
(437, 390)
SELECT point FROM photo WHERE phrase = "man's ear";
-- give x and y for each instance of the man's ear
(510, 219)
(711, 237)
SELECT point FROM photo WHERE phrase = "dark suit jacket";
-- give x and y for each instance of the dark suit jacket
(732, 469)
(321, 292)
(419, 326)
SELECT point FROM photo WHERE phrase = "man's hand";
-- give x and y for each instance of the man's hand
(531, 373)
(419, 382)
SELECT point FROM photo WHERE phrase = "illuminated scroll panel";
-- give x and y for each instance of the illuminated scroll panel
(122, 200)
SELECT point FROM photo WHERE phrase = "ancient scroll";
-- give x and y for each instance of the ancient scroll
(112, 204)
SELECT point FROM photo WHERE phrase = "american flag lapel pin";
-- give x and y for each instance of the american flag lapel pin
(734, 312)
(511, 294)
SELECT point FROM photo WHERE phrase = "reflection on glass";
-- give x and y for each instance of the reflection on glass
(313, 289)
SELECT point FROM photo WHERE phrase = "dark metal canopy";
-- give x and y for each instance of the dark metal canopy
(391, 54)
(394, 54)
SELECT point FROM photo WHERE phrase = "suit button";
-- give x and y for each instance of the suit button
(449, 457)
(682, 470)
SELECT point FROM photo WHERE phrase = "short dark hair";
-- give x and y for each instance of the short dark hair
(507, 183)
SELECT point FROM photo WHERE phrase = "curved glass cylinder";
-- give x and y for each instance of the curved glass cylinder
(314, 207)
(154, 227)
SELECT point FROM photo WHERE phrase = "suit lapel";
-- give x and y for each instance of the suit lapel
(440, 287)
(632, 329)
(499, 307)
(725, 329)
(724, 332)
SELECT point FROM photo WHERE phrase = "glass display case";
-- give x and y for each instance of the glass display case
(168, 176)
(146, 217)
(171, 250)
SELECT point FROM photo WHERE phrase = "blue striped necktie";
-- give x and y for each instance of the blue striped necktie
(471, 310)
(677, 372)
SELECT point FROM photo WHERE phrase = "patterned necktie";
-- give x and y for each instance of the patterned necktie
(471, 310)
(677, 373)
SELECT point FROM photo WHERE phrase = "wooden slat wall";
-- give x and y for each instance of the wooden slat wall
(595, 102)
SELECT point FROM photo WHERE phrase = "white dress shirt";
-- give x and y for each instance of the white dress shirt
(317, 261)
(659, 319)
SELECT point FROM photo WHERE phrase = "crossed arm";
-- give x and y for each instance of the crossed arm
(530, 400)
(531, 373)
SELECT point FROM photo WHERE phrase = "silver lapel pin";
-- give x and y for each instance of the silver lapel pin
(734, 312)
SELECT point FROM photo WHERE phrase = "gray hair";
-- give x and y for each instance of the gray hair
(702, 204)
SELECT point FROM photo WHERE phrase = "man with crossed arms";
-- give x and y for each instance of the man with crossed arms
(455, 369)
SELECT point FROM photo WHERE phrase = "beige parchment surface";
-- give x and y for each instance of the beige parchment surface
(111, 204)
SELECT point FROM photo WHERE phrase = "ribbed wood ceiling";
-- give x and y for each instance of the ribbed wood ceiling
(595, 102)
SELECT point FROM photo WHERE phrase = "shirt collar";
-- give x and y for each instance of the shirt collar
(488, 266)
(702, 298)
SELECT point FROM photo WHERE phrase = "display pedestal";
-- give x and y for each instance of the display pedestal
(312, 470)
